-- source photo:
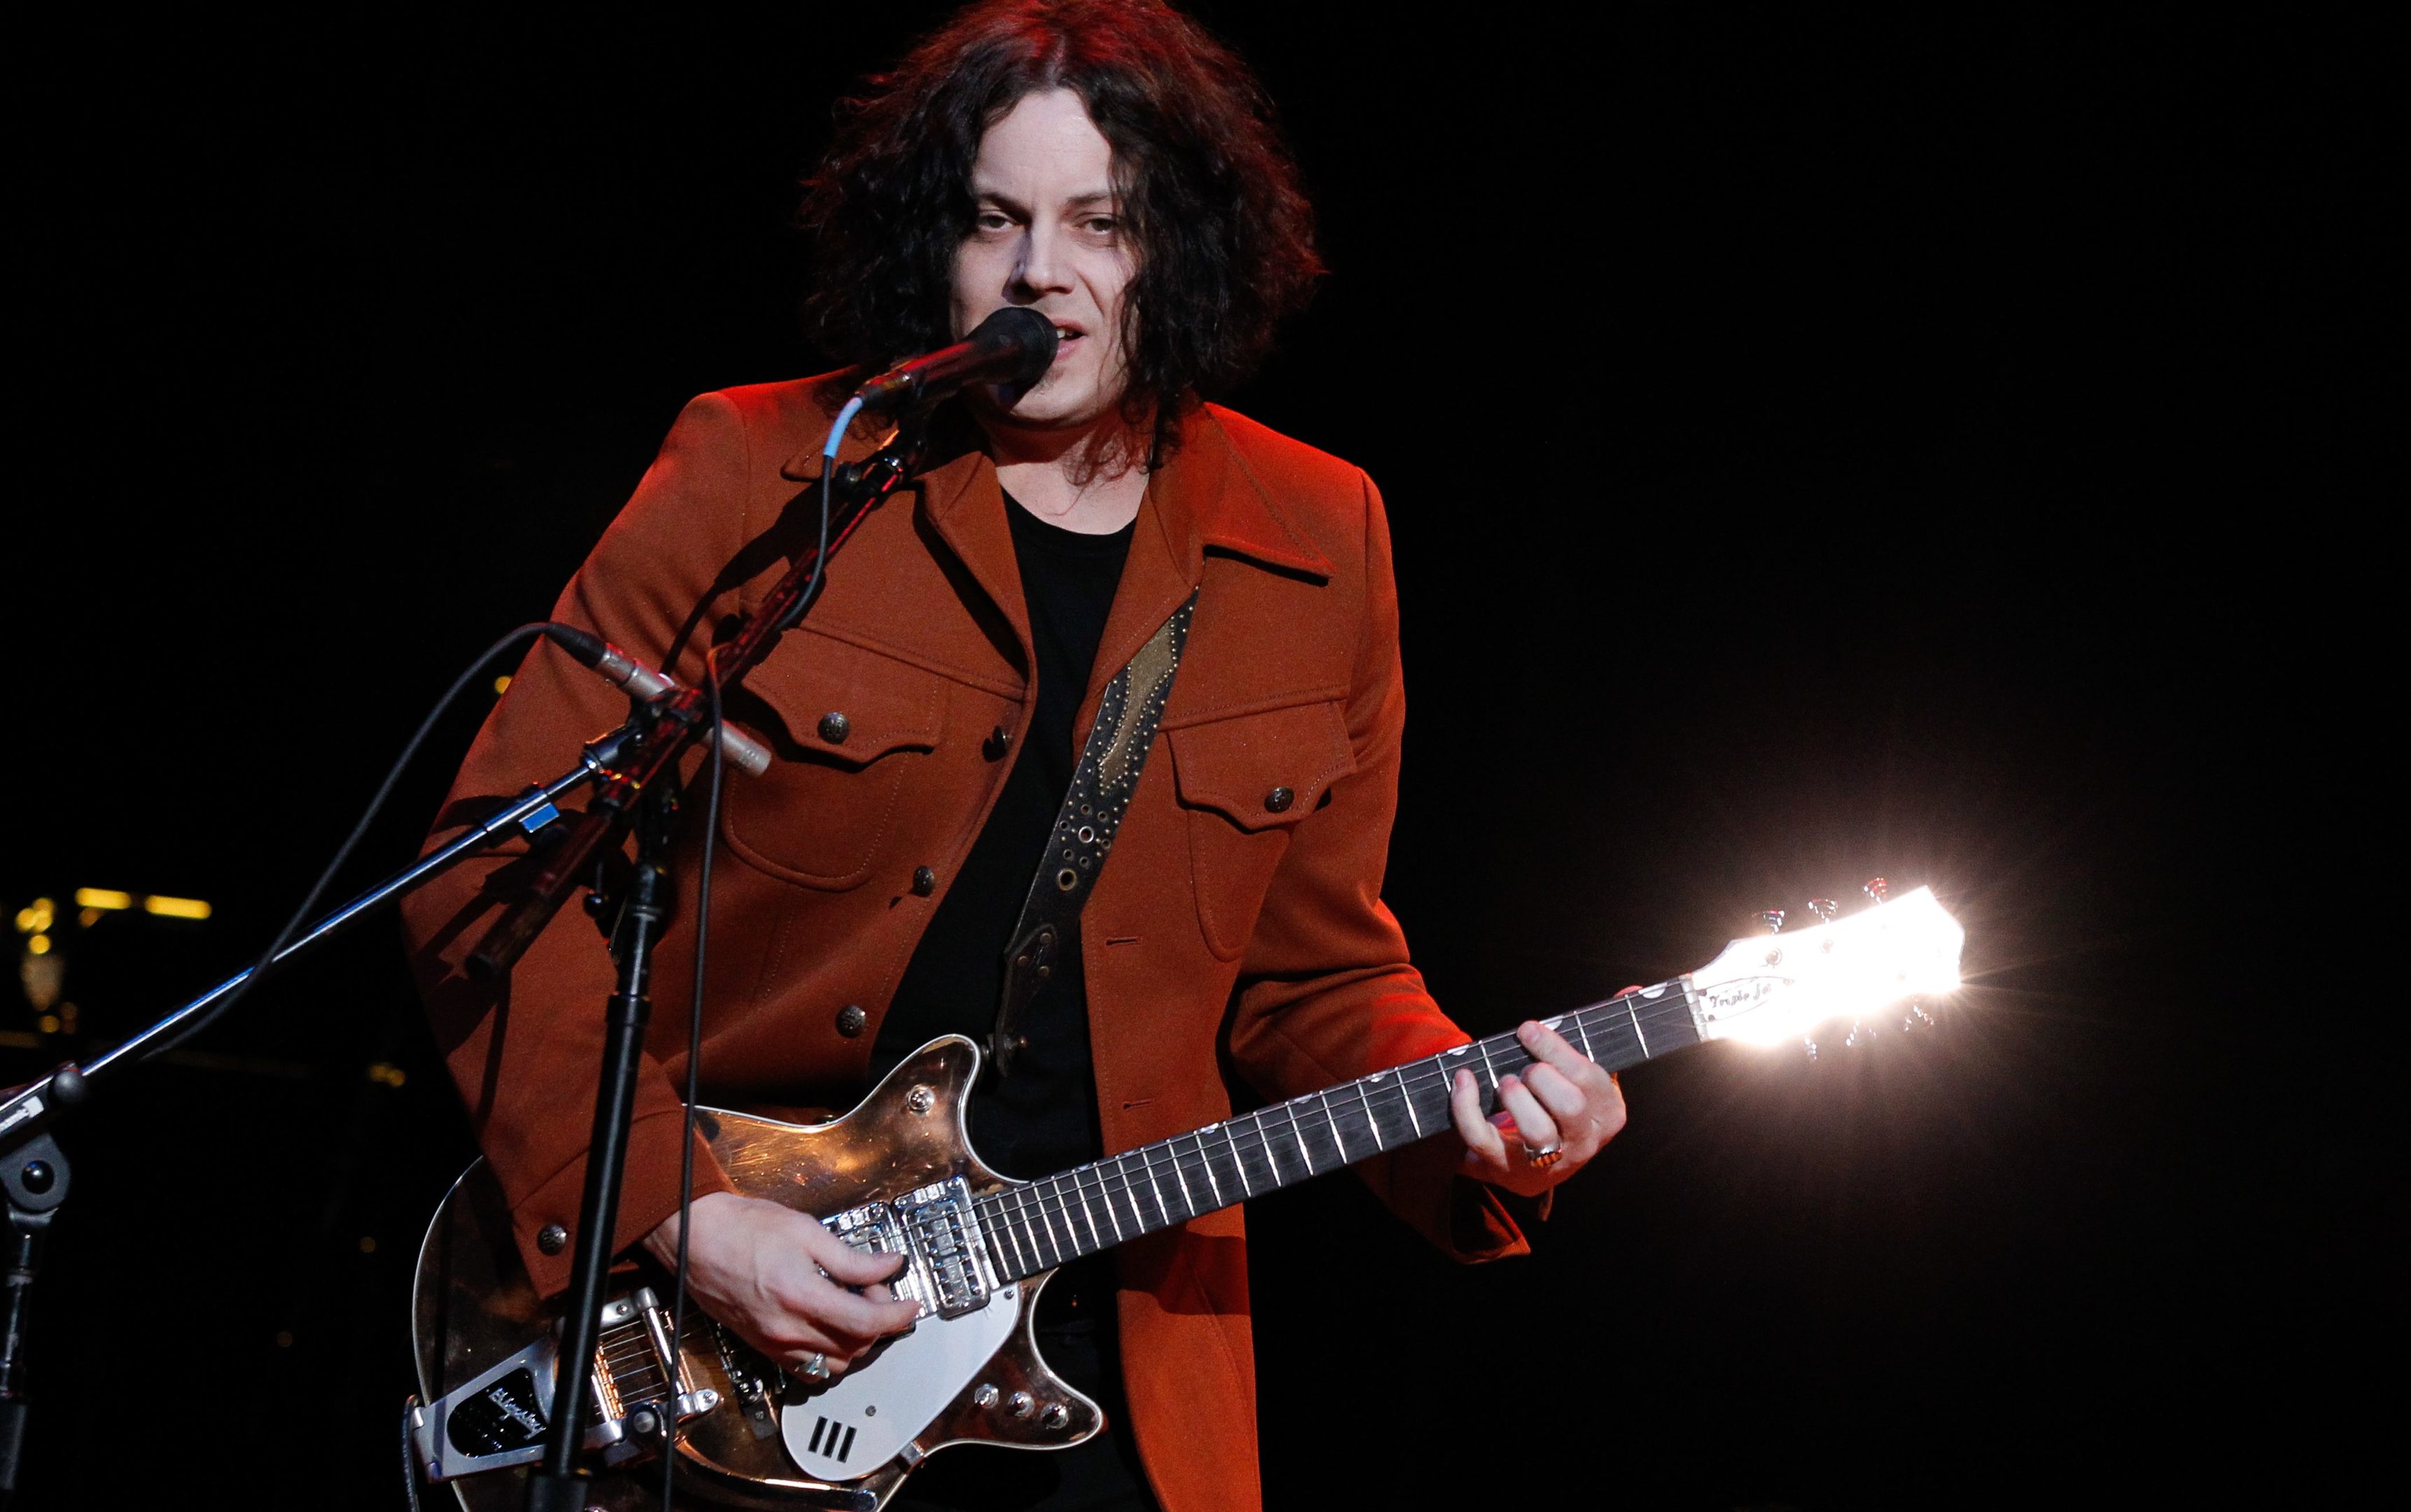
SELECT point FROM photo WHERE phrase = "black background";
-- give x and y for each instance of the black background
(1817, 445)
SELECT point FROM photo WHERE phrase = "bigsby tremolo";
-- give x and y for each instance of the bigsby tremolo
(640, 1394)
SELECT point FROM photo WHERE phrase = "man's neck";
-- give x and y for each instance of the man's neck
(1090, 481)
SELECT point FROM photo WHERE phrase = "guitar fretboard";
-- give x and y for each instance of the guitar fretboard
(1043, 1224)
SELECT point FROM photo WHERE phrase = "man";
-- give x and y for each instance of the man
(1104, 163)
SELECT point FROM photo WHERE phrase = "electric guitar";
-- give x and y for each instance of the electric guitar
(897, 1174)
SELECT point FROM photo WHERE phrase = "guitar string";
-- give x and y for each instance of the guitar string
(1069, 1195)
(1111, 1178)
(1315, 1112)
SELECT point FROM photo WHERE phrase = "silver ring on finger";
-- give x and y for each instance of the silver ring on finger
(1541, 1156)
(816, 1368)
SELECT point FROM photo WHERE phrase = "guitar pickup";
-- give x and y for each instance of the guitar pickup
(497, 1419)
(934, 1226)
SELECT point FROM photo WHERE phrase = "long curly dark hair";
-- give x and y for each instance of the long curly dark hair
(1207, 190)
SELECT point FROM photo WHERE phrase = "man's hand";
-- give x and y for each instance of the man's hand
(1565, 1102)
(780, 1281)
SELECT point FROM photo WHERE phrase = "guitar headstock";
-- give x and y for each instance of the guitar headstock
(1780, 986)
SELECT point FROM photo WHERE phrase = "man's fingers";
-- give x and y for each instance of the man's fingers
(850, 1267)
(1550, 1048)
(1532, 1121)
(856, 1321)
(1465, 1109)
(1569, 1105)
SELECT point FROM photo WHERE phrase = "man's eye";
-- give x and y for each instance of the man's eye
(1102, 225)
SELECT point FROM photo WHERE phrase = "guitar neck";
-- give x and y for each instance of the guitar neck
(1043, 1224)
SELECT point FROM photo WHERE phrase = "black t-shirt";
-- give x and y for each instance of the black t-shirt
(1044, 1119)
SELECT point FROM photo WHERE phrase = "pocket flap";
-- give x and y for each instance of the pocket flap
(839, 699)
(1261, 770)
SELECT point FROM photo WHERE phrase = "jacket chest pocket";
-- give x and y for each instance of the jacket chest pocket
(851, 729)
(1245, 783)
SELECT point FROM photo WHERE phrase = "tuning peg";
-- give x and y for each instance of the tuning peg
(1824, 908)
(1774, 919)
(1876, 887)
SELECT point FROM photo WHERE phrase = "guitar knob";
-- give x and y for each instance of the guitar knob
(1876, 887)
(1772, 919)
(1824, 908)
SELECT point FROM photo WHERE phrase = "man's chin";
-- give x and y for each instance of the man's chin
(1039, 410)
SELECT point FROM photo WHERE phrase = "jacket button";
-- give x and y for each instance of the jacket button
(850, 1020)
(999, 741)
(1279, 800)
(552, 1239)
(834, 727)
(924, 881)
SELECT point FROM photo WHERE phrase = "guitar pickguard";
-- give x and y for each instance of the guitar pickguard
(869, 1414)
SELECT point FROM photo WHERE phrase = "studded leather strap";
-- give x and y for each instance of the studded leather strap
(1102, 784)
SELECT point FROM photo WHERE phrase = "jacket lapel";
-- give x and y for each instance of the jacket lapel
(963, 504)
(1204, 498)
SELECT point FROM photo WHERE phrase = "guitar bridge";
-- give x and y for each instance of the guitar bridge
(498, 1419)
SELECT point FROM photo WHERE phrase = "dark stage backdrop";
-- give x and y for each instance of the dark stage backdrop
(1818, 447)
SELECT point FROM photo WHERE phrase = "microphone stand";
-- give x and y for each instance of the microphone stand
(639, 793)
(33, 1173)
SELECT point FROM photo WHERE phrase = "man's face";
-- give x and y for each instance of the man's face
(1047, 233)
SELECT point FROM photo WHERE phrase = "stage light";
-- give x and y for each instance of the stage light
(35, 918)
(175, 908)
(102, 897)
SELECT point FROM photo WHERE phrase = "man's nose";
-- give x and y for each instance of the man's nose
(1045, 269)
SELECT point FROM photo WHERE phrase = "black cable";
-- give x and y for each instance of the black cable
(702, 953)
(693, 1052)
(309, 905)
(820, 555)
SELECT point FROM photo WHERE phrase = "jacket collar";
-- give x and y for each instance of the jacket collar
(1206, 497)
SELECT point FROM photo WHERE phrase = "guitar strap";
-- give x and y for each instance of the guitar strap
(1102, 784)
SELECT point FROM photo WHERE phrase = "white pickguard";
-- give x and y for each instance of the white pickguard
(872, 1413)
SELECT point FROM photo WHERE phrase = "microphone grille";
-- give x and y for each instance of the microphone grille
(1024, 332)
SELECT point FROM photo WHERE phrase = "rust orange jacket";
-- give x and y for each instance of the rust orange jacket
(1221, 933)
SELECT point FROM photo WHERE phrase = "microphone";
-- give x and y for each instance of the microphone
(1013, 346)
(749, 755)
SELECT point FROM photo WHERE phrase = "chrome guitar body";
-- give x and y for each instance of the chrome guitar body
(751, 1436)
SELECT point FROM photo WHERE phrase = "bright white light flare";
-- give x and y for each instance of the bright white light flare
(1778, 987)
